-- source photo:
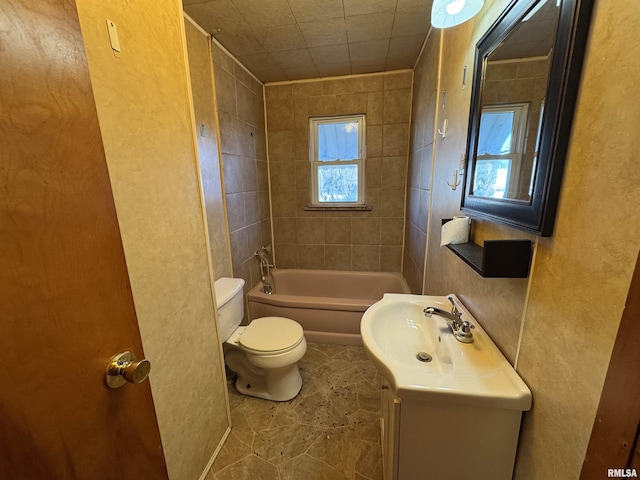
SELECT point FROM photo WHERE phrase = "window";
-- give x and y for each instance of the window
(501, 142)
(336, 146)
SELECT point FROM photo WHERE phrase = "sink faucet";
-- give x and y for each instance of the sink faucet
(461, 328)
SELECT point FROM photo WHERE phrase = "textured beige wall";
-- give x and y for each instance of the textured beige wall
(583, 272)
(423, 111)
(446, 273)
(580, 275)
(201, 75)
(240, 104)
(343, 240)
(143, 105)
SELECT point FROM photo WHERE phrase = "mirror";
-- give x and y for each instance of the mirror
(527, 72)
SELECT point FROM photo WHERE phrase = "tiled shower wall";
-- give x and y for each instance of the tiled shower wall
(419, 179)
(240, 106)
(340, 240)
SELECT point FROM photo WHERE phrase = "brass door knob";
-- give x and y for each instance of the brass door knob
(125, 367)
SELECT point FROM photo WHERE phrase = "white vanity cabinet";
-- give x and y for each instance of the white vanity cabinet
(426, 440)
(389, 424)
(450, 409)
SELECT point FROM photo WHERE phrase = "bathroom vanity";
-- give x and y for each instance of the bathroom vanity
(449, 409)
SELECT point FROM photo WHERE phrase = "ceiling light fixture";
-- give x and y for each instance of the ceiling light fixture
(449, 13)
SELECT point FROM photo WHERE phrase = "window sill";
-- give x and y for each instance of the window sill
(336, 208)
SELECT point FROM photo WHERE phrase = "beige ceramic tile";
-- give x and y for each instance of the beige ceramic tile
(307, 89)
(285, 229)
(337, 231)
(281, 146)
(252, 208)
(375, 105)
(390, 258)
(398, 80)
(365, 231)
(351, 103)
(397, 105)
(225, 91)
(311, 256)
(322, 105)
(280, 114)
(394, 172)
(373, 172)
(393, 202)
(374, 140)
(310, 231)
(391, 230)
(203, 100)
(284, 202)
(365, 258)
(303, 174)
(395, 139)
(287, 255)
(337, 257)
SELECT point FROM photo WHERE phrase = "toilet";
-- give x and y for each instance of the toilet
(264, 354)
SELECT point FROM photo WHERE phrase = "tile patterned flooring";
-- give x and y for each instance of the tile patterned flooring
(330, 431)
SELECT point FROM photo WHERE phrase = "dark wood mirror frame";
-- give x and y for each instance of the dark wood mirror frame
(538, 215)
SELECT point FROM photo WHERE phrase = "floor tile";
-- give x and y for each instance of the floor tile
(330, 431)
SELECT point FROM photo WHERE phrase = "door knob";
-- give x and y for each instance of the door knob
(125, 367)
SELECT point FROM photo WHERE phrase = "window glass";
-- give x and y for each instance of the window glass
(496, 131)
(501, 142)
(337, 141)
(337, 160)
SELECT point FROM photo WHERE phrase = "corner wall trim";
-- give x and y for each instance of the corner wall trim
(204, 474)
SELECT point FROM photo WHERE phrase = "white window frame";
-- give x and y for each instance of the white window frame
(314, 122)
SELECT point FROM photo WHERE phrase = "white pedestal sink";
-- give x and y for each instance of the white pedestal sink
(450, 409)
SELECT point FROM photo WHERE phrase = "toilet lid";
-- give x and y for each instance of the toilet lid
(269, 334)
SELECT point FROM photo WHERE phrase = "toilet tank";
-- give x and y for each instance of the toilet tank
(230, 300)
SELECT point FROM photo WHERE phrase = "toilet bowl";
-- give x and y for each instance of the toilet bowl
(264, 354)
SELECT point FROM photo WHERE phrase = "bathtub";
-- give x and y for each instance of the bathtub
(329, 304)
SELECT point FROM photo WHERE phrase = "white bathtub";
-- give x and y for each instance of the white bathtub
(329, 304)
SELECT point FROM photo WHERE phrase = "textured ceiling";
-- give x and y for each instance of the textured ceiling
(533, 37)
(295, 39)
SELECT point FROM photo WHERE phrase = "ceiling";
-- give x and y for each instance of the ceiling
(279, 40)
(533, 37)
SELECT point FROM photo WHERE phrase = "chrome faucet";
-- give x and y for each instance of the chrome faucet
(265, 269)
(461, 328)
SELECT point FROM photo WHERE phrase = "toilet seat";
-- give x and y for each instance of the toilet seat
(271, 335)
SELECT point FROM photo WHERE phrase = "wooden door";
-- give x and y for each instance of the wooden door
(615, 434)
(65, 302)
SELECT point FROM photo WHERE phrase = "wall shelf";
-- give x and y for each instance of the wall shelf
(498, 258)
